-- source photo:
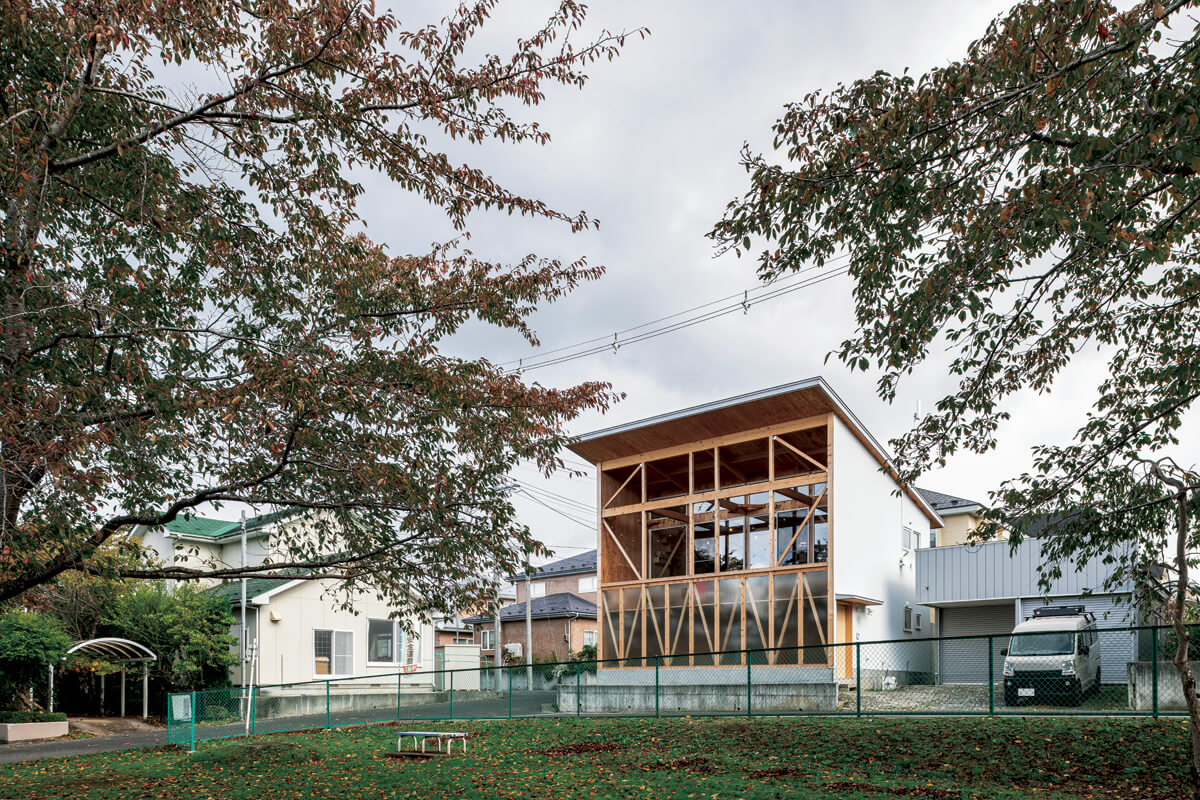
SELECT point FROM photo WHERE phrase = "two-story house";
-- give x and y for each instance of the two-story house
(562, 612)
(772, 520)
(302, 630)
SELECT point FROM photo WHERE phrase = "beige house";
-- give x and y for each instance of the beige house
(961, 517)
(302, 629)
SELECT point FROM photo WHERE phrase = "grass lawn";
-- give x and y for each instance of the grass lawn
(802, 758)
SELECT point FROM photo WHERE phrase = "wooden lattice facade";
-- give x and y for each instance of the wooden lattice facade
(719, 546)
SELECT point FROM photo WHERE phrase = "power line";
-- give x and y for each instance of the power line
(577, 521)
(550, 496)
(591, 346)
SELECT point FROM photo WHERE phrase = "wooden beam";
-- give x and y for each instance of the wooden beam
(801, 453)
(625, 483)
(671, 514)
(662, 640)
(617, 542)
(749, 601)
(794, 495)
(616, 637)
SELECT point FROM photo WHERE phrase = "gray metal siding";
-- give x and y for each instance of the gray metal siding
(990, 571)
(966, 661)
(1116, 649)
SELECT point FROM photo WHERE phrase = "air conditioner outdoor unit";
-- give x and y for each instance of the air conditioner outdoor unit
(513, 649)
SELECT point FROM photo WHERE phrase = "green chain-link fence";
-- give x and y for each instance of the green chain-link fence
(1126, 671)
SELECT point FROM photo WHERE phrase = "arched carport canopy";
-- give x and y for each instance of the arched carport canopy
(114, 649)
(120, 651)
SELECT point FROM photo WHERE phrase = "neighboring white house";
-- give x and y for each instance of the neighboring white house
(302, 630)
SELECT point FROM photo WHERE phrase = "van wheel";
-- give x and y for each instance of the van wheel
(1075, 694)
(1010, 697)
(1096, 685)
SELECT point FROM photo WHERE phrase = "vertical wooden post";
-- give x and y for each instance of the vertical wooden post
(830, 602)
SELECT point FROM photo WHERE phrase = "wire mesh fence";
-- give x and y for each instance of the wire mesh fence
(1117, 671)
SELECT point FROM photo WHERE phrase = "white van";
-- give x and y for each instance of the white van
(1052, 656)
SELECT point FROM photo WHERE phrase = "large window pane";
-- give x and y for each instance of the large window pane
(816, 617)
(610, 623)
(631, 614)
(785, 611)
(704, 620)
(704, 547)
(731, 620)
(667, 529)
(791, 537)
(733, 544)
(760, 540)
(655, 618)
(381, 641)
(758, 614)
(677, 621)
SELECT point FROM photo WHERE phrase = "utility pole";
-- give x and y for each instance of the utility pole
(528, 631)
(244, 629)
(496, 659)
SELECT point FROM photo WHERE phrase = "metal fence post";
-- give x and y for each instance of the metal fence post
(657, 664)
(858, 679)
(991, 675)
(578, 693)
(451, 694)
(1154, 670)
(748, 683)
(399, 678)
(327, 712)
(193, 716)
(253, 706)
(510, 692)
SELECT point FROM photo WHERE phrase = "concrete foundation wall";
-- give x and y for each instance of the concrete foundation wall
(767, 698)
(1170, 686)
(269, 704)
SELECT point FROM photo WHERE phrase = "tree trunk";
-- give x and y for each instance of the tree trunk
(1182, 637)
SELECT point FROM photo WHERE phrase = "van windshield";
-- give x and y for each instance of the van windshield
(1043, 644)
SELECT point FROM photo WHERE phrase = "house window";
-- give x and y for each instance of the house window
(589, 638)
(908, 619)
(933, 537)
(917, 622)
(333, 652)
(488, 640)
(382, 637)
(587, 584)
(537, 589)
(909, 539)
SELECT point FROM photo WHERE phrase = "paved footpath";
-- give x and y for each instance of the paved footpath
(63, 748)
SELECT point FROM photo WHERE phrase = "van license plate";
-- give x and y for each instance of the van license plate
(1025, 692)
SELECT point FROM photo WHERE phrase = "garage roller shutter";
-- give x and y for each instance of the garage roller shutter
(966, 661)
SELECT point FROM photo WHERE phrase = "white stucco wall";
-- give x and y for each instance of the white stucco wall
(868, 556)
(286, 646)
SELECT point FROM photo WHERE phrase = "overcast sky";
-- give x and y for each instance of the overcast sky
(650, 148)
